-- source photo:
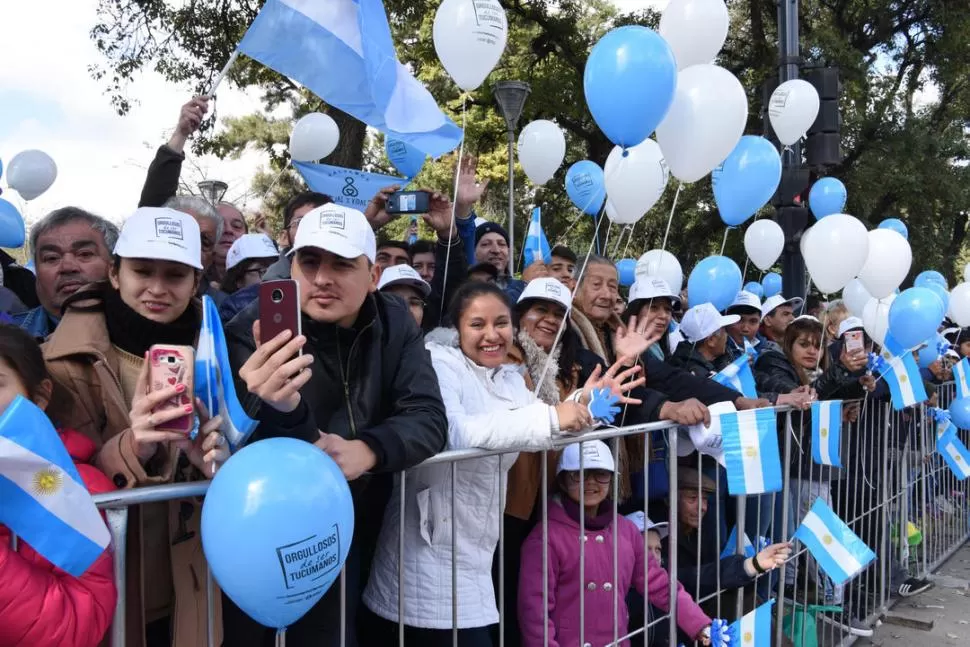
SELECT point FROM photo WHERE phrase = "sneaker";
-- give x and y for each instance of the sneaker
(914, 586)
(846, 623)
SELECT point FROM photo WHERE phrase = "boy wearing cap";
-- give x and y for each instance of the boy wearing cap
(492, 247)
(747, 307)
(404, 281)
(706, 340)
(777, 313)
(364, 377)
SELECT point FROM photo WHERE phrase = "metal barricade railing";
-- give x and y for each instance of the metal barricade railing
(890, 476)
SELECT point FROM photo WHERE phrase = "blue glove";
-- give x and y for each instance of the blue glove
(602, 406)
(720, 633)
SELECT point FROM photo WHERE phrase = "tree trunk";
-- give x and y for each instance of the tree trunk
(350, 149)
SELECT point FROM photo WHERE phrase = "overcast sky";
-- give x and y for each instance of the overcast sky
(49, 101)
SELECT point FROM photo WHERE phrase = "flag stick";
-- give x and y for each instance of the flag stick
(225, 70)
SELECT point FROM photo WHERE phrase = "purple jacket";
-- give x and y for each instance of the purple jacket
(564, 586)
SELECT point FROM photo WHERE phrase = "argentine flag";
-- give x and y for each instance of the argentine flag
(213, 379)
(738, 376)
(731, 547)
(961, 370)
(838, 550)
(827, 432)
(42, 496)
(536, 246)
(342, 51)
(751, 452)
(902, 376)
(753, 629)
(954, 452)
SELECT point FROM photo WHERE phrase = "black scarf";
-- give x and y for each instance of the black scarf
(133, 333)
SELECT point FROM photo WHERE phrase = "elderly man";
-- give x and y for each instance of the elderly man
(70, 248)
(210, 226)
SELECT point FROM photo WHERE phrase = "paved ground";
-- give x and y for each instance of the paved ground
(946, 607)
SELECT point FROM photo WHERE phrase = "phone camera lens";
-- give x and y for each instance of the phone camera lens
(277, 295)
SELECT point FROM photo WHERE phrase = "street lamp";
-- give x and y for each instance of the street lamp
(213, 190)
(510, 97)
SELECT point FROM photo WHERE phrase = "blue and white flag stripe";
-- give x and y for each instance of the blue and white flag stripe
(42, 497)
(827, 432)
(753, 629)
(902, 376)
(749, 550)
(954, 452)
(838, 550)
(738, 376)
(751, 452)
(961, 371)
(342, 50)
(536, 245)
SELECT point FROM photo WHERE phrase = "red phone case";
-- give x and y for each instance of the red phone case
(279, 308)
(168, 366)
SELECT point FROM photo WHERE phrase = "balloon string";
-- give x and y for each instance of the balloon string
(670, 218)
(281, 637)
(629, 239)
(724, 244)
(454, 203)
(628, 230)
(744, 274)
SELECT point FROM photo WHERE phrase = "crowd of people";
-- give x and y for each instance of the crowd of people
(407, 351)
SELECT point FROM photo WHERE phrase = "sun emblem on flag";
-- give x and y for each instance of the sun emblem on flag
(748, 637)
(824, 432)
(958, 458)
(751, 452)
(47, 481)
(903, 379)
(827, 540)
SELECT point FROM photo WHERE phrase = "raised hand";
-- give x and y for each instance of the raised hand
(190, 118)
(619, 382)
(470, 190)
(376, 211)
(275, 373)
(439, 216)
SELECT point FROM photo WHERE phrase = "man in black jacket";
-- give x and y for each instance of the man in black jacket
(703, 352)
(363, 390)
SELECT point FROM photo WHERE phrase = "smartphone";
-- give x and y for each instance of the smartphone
(169, 366)
(402, 202)
(279, 308)
(854, 341)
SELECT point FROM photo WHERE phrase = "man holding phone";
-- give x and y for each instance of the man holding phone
(364, 378)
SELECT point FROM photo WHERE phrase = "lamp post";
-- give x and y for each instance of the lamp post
(213, 190)
(510, 97)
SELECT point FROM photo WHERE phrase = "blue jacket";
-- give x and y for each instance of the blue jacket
(37, 322)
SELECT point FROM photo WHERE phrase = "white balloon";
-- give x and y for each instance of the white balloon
(314, 137)
(635, 179)
(662, 264)
(469, 38)
(887, 263)
(856, 296)
(792, 110)
(30, 173)
(542, 148)
(960, 304)
(966, 272)
(764, 241)
(695, 30)
(875, 318)
(704, 123)
(835, 251)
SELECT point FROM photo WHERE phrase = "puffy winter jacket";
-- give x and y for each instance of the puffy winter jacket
(599, 588)
(43, 606)
(487, 408)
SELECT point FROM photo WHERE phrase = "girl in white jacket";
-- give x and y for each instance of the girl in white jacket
(490, 407)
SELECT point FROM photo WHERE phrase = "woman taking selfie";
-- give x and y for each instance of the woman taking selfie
(99, 354)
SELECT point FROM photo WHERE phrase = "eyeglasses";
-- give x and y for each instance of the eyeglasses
(600, 476)
(415, 302)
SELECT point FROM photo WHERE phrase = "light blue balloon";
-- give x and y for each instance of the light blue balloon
(585, 186)
(771, 284)
(407, 159)
(827, 196)
(940, 290)
(715, 280)
(1, 168)
(896, 225)
(930, 353)
(12, 230)
(277, 524)
(914, 316)
(627, 270)
(629, 83)
(746, 180)
(930, 276)
(960, 413)
(755, 289)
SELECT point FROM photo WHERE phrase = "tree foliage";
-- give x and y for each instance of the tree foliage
(905, 103)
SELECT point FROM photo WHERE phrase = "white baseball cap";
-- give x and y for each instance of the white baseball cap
(702, 321)
(547, 289)
(744, 301)
(807, 318)
(643, 523)
(161, 234)
(773, 303)
(596, 456)
(403, 275)
(337, 229)
(250, 246)
(652, 287)
(849, 323)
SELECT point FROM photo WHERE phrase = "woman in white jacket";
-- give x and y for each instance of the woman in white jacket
(490, 407)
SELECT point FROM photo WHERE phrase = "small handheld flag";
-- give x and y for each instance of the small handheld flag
(738, 376)
(348, 187)
(838, 550)
(827, 432)
(602, 406)
(961, 373)
(954, 452)
(42, 496)
(536, 246)
(751, 452)
(942, 417)
(753, 629)
(750, 550)
(901, 373)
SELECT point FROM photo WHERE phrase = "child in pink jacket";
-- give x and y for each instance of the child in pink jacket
(598, 586)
